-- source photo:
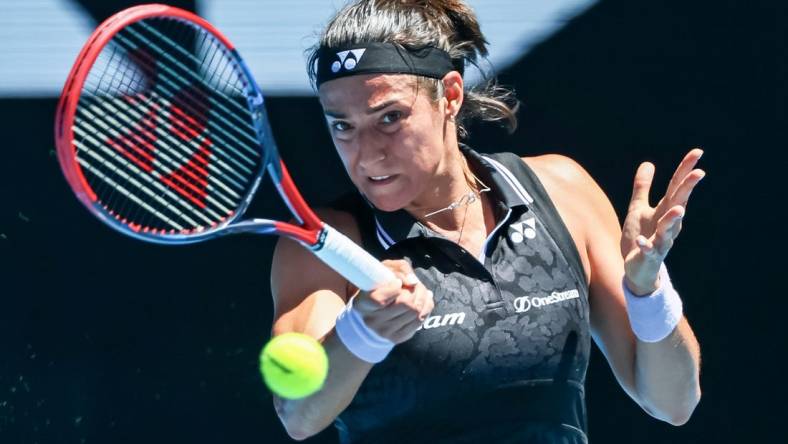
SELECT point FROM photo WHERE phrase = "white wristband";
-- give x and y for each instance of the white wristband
(360, 339)
(654, 316)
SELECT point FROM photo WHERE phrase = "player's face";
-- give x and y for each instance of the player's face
(389, 134)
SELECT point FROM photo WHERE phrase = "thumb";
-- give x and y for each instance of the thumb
(642, 184)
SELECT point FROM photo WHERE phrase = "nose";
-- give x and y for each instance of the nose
(368, 162)
(371, 150)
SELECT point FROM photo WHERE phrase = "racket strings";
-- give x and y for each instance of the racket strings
(169, 86)
(245, 168)
(197, 104)
(105, 113)
(122, 200)
(211, 83)
(144, 171)
(215, 50)
(117, 192)
(176, 160)
(130, 115)
(111, 85)
(185, 127)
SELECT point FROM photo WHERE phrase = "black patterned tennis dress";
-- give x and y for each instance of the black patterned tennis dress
(503, 356)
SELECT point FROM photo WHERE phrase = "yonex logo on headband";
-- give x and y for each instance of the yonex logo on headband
(383, 58)
(349, 63)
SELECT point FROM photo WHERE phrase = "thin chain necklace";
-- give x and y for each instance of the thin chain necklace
(465, 200)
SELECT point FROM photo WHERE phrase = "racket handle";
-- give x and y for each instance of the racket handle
(351, 261)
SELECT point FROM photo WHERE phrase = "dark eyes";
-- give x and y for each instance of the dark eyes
(340, 126)
(391, 117)
(387, 119)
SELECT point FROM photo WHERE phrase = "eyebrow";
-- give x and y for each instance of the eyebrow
(374, 109)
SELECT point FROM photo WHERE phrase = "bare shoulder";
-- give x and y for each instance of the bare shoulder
(565, 179)
(558, 169)
(307, 294)
(567, 176)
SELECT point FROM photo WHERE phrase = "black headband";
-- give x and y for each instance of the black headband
(383, 58)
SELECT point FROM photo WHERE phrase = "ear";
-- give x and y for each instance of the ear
(453, 93)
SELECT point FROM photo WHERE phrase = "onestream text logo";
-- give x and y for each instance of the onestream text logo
(524, 303)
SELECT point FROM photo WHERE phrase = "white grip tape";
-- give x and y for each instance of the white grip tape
(352, 261)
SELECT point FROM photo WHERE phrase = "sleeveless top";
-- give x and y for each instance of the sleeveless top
(503, 356)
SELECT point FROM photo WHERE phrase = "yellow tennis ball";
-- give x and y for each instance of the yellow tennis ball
(294, 365)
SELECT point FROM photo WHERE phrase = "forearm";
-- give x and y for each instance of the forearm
(306, 417)
(667, 375)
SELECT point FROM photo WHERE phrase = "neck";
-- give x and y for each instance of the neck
(452, 182)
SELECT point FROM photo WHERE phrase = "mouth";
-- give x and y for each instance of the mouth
(382, 180)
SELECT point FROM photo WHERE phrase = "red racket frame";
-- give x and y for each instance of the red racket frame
(311, 226)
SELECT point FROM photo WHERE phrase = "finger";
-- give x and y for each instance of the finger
(681, 197)
(409, 305)
(409, 326)
(391, 317)
(428, 306)
(669, 221)
(410, 280)
(403, 270)
(652, 251)
(668, 229)
(422, 301)
(419, 300)
(391, 324)
(403, 303)
(647, 247)
(378, 298)
(684, 168)
(382, 295)
(398, 266)
(642, 185)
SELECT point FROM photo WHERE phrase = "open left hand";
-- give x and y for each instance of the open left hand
(648, 233)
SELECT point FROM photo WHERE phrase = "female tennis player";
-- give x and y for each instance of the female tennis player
(506, 267)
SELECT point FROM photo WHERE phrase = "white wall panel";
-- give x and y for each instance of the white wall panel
(272, 35)
(39, 41)
(41, 38)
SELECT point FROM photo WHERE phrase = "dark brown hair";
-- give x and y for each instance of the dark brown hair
(450, 25)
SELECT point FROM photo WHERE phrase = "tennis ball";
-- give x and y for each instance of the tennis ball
(294, 365)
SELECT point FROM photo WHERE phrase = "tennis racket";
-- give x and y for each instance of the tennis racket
(162, 134)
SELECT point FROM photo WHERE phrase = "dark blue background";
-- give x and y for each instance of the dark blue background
(105, 339)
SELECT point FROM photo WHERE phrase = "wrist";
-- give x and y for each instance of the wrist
(358, 338)
(642, 290)
(654, 315)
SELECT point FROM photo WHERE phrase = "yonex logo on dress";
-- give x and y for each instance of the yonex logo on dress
(349, 63)
(442, 320)
(524, 303)
(523, 230)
